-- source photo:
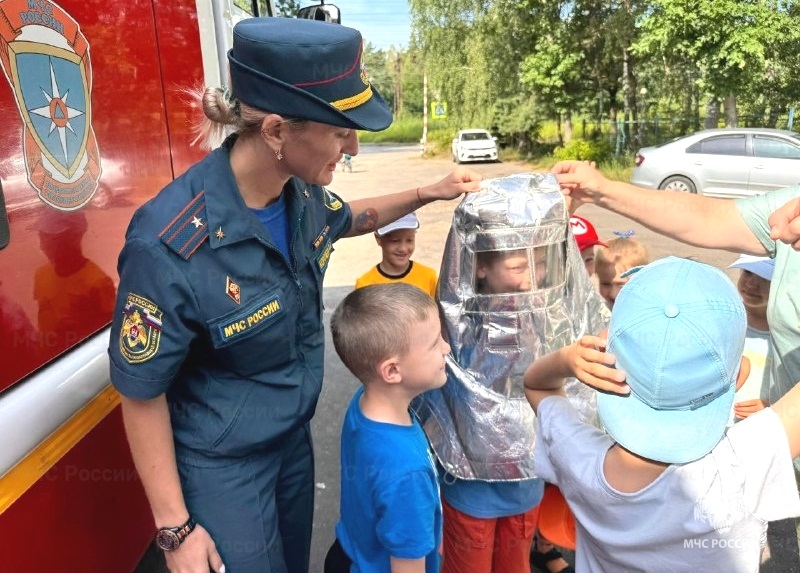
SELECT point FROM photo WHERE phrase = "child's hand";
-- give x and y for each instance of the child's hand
(745, 408)
(589, 362)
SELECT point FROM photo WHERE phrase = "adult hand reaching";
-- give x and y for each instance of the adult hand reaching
(784, 223)
(461, 180)
(580, 181)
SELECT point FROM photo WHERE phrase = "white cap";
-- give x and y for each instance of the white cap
(761, 266)
(409, 221)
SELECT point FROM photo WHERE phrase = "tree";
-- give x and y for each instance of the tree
(727, 40)
(375, 64)
(471, 51)
(510, 64)
(287, 8)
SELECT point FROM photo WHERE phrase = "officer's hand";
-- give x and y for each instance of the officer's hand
(461, 180)
(195, 555)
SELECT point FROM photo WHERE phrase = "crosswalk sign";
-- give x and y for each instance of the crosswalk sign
(439, 110)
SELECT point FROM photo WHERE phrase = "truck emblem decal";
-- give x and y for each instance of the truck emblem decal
(45, 58)
(141, 329)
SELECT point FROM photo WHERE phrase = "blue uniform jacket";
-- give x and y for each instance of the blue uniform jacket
(210, 312)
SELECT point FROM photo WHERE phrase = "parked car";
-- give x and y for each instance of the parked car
(730, 162)
(474, 145)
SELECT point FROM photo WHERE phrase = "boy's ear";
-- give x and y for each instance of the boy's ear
(389, 370)
(744, 372)
(378, 239)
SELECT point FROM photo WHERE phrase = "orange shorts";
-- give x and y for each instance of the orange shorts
(476, 545)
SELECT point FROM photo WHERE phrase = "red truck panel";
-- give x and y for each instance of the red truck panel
(137, 108)
(58, 272)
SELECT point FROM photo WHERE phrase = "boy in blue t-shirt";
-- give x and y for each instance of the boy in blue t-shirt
(391, 516)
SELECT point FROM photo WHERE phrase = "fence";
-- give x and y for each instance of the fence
(628, 136)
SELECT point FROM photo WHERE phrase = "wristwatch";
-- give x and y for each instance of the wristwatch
(169, 538)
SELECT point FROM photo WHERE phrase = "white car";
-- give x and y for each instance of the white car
(729, 162)
(474, 145)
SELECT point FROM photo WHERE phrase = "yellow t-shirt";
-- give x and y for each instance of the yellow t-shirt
(418, 275)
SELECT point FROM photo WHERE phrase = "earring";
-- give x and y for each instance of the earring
(279, 155)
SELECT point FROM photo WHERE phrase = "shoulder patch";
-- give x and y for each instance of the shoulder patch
(332, 202)
(189, 229)
(141, 329)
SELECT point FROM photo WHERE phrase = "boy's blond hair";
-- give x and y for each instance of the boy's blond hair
(625, 251)
(374, 322)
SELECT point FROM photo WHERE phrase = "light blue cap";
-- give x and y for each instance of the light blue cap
(677, 330)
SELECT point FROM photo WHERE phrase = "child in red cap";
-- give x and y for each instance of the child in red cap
(586, 237)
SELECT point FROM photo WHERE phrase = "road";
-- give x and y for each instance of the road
(379, 170)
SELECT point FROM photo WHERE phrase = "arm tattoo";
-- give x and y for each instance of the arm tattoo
(366, 221)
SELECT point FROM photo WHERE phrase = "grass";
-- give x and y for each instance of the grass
(409, 130)
(617, 170)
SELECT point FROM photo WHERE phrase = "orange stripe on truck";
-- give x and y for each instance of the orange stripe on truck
(47, 454)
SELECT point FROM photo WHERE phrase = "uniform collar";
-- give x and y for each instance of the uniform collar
(230, 220)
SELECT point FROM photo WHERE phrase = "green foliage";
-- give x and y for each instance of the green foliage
(555, 74)
(728, 40)
(407, 130)
(618, 170)
(583, 150)
(376, 64)
(440, 140)
(287, 8)
(518, 67)
(549, 131)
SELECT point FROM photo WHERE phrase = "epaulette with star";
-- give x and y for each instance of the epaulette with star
(187, 231)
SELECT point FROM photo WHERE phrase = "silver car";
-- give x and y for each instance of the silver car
(730, 162)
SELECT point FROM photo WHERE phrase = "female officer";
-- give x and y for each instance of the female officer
(217, 344)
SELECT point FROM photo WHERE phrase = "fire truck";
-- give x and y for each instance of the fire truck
(95, 121)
